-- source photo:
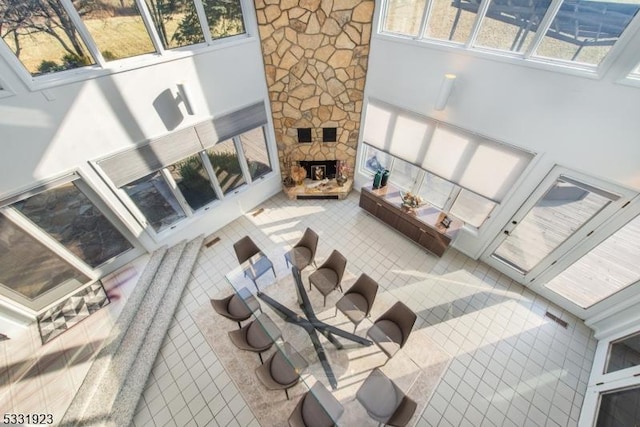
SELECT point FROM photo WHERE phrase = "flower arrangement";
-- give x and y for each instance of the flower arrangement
(411, 201)
(343, 169)
(298, 173)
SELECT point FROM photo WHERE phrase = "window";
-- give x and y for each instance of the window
(375, 159)
(155, 200)
(224, 18)
(169, 178)
(584, 30)
(42, 34)
(404, 16)
(193, 181)
(43, 37)
(404, 175)
(435, 190)
(580, 31)
(28, 267)
(488, 168)
(177, 22)
(604, 270)
(465, 205)
(119, 32)
(450, 22)
(255, 151)
(623, 353)
(68, 216)
(511, 26)
(224, 159)
(471, 208)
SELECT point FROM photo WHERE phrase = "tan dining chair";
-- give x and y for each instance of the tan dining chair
(245, 249)
(282, 370)
(391, 330)
(358, 299)
(316, 408)
(235, 308)
(328, 276)
(303, 253)
(384, 401)
(257, 336)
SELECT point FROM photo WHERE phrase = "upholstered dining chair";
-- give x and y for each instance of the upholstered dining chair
(256, 336)
(328, 276)
(384, 401)
(237, 307)
(303, 253)
(282, 370)
(391, 330)
(316, 408)
(246, 249)
(358, 299)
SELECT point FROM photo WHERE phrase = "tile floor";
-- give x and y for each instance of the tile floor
(43, 379)
(511, 365)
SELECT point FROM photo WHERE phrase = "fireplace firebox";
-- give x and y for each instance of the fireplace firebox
(329, 167)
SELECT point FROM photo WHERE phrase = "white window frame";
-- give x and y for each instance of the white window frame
(188, 211)
(451, 199)
(527, 58)
(599, 382)
(103, 68)
(42, 302)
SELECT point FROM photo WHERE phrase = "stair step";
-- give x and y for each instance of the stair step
(110, 392)
(130, 393)
(126, 354)
(97, 371)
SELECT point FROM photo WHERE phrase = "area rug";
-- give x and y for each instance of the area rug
(416, 369)
(72, 311)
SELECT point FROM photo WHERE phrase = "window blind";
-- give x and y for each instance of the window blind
(130, 165)
(224, 127)
(486, 167)
(127, 166)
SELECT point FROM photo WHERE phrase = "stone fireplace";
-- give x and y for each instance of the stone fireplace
(316, 54)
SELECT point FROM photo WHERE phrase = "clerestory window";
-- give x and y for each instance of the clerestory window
(577, 32)
(51, 36)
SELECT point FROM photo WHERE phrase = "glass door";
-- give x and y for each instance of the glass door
(619, 408)
(564, 210)
(608, 268)
(613, 395)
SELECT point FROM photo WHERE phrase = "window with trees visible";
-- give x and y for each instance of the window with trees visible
(50, 36)
(163, 194)
(579, 32)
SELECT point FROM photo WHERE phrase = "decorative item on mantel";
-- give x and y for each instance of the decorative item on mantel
(342, 172)
(298, 173)
(411, 202)
(288, 181)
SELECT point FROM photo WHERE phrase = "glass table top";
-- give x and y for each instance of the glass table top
(306, 333)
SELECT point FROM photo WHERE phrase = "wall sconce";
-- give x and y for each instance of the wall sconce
(445, 91)
(184, 96)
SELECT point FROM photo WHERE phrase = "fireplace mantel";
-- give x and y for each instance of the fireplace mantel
(310, 189)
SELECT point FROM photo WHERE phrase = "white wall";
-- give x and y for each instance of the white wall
(90, 119)
(585, 124)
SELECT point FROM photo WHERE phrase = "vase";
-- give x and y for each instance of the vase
(385, 178)
(377, 179)
(340, 180)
